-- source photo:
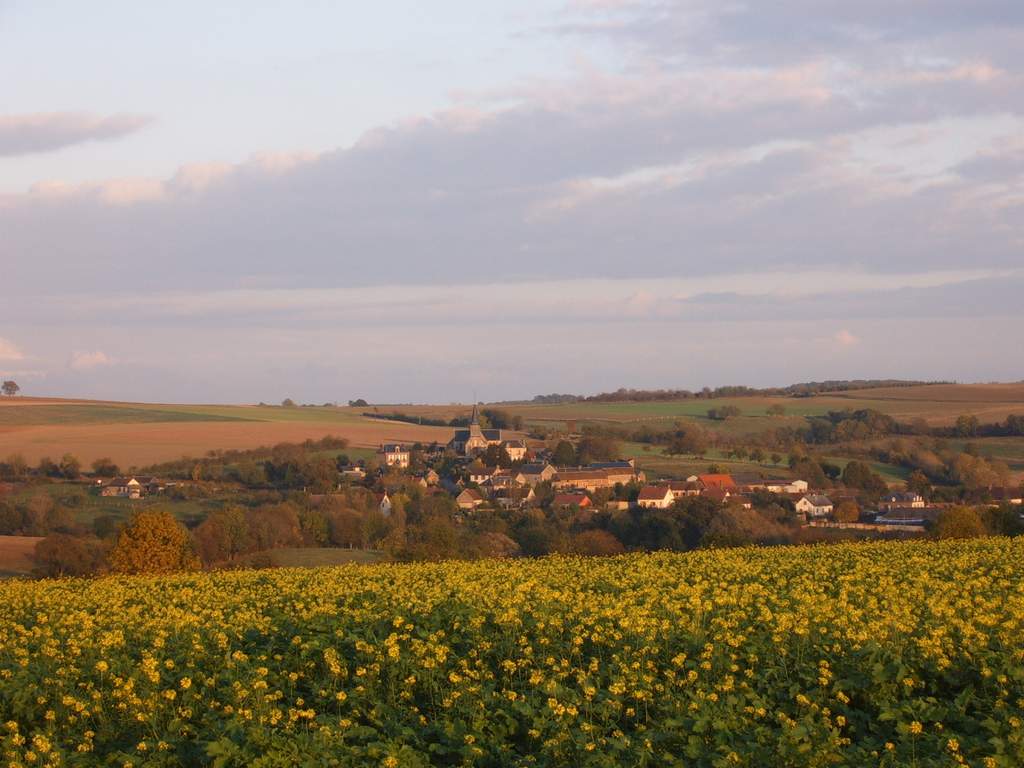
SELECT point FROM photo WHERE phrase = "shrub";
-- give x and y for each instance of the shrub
(959, 523)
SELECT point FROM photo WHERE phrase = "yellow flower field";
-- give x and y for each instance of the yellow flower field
(887, 654)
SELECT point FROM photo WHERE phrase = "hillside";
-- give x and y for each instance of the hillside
(138, 434)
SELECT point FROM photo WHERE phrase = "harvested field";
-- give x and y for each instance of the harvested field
(142, 443)
(16, 555)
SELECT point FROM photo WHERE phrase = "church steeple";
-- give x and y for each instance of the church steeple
(474, 419)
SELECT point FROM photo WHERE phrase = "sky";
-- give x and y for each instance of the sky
(431, 202)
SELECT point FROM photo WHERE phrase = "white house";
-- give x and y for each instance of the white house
(516, 449)
(384, 504)
(815, 505)
(656, 497)
(394, 455)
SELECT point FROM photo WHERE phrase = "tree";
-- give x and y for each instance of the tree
(564, 454)
(598, 448)
(776, 459)
(778, 409)
(966, 426)
(723, 412)
(62, 555)
(70, 467)
(288, 403)
(358, 403)
(690, 440)
(959, 523)
(11, 519)
(105, 467)
(223, 535)
(153, 542)
(10, 388)
(757, 455)
(857, 474)
(918, 483)
(37, 513)
(273, 526)
(847, 512)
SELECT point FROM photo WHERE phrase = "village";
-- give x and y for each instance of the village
(486, 469)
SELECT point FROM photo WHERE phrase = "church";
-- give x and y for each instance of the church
(474, 439)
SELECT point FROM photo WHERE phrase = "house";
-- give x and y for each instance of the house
(394, 455)
(725, 482)
(531, 474)
(618, 471)
(353, 473)
(474, 439)
(431, 477)
(469, 499)
(717, 495)
(513, 498)
(587, 479)
(1013, 496)
(563, 500)
(738, 500)
(383, 503)
(901, 500)
(656, 497)
(479, 473)
(814, 505)
(771, 485)
(516, 449)
(684, 488)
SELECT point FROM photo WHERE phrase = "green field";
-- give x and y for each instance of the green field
(36, 415)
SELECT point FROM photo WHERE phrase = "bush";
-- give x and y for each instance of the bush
(596, 542)
(959, 523)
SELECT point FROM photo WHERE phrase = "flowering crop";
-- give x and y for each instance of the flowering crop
(885, 654)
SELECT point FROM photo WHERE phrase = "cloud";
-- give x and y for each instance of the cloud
(8, 351)
(48, 131)
(846, 339)
(85, 361)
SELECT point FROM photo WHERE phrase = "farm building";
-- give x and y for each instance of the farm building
(130, 487)
(902, 500)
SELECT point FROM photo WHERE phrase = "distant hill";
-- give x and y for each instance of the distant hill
(805, 389)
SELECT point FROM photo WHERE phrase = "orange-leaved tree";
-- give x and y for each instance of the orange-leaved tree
(153, 542)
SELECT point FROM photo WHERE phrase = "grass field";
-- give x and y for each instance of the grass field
(880, 654)
(16, 555)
